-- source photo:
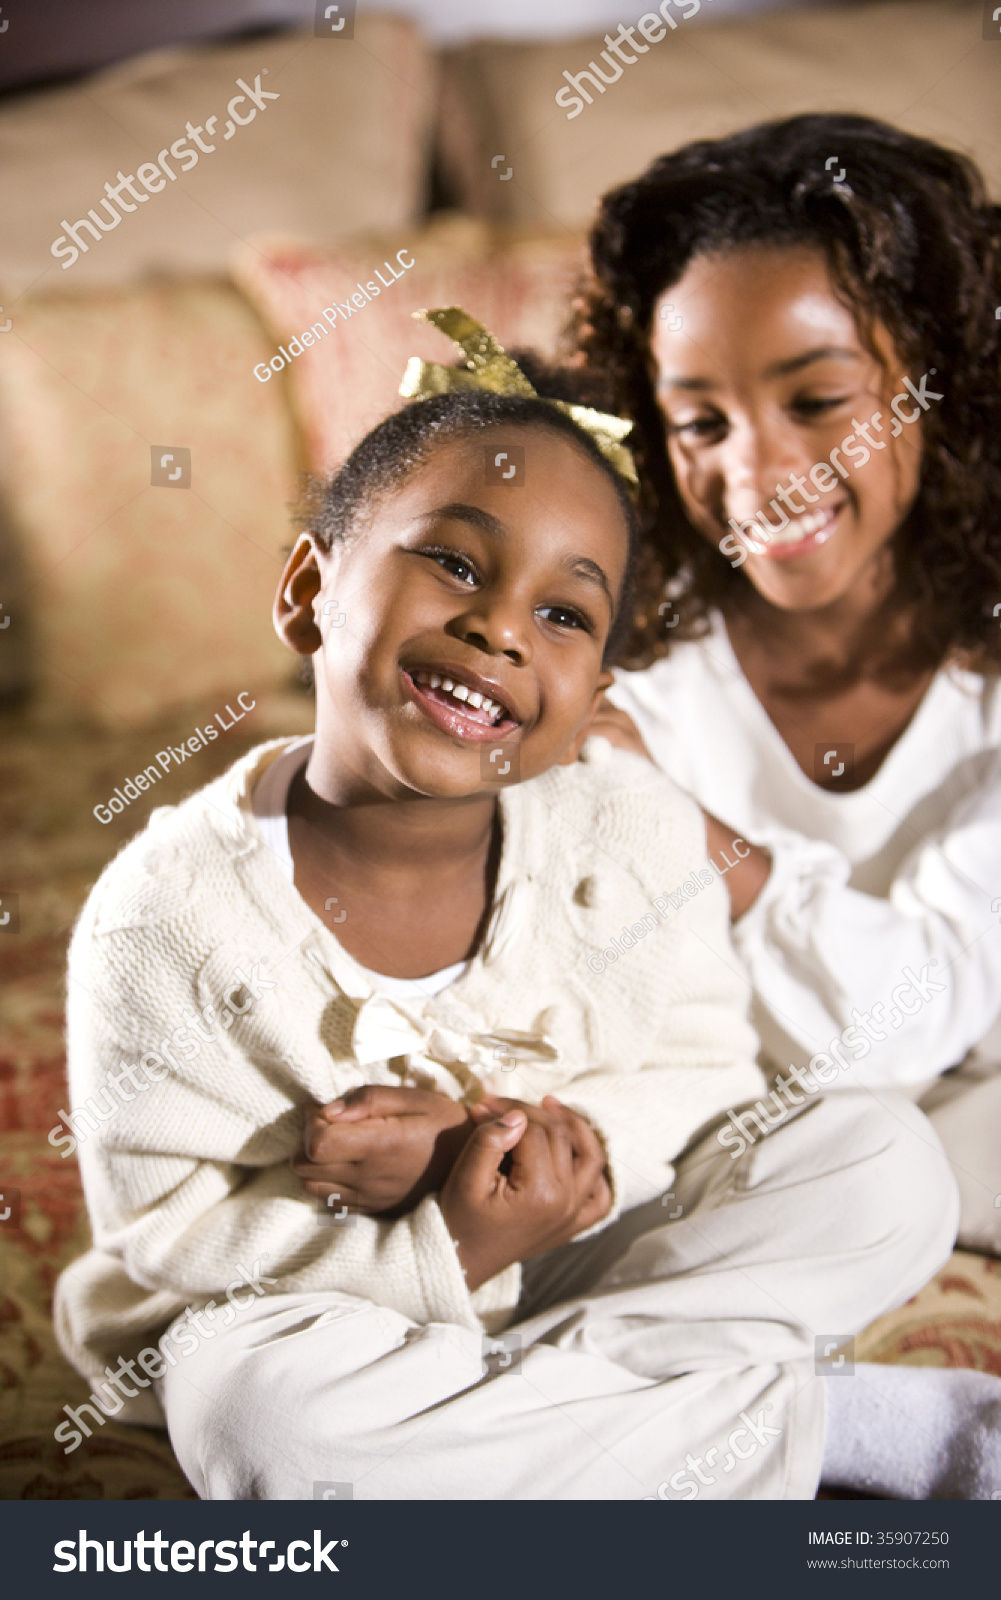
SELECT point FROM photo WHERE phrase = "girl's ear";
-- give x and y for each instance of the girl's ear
(605, 681)
(292, 614)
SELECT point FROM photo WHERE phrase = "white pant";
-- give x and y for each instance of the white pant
(660, 1339)
(964, 1108)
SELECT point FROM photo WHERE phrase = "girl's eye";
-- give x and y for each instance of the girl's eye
(454, 563)
(566, 617)
(698, 427)
(818, 406)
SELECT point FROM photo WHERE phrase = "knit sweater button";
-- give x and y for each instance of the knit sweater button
(588, 893)
(597, 750)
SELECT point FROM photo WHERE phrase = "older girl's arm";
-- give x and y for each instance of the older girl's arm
(748, 874)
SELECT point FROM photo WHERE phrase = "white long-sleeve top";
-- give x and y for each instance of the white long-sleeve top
(882, 912)
(197, 966)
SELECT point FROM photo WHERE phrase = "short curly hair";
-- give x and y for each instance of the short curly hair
(331, 509)
(912, 242)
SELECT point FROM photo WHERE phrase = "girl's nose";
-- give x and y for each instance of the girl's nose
(496, 628)
(754, 459)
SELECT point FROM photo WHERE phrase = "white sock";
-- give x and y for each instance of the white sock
(914, 1433)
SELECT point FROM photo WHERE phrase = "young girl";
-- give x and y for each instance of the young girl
(387, 932)
(812, 363)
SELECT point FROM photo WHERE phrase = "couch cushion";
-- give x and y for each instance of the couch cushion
(518, 284)
(341, 148)
(922, 64)
(143, 597)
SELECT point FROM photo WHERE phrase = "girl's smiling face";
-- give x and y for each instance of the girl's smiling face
(765, 378)
(504, 591)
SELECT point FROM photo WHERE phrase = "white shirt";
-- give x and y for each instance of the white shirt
(870, 888)
(270, 807)
(192, 1177)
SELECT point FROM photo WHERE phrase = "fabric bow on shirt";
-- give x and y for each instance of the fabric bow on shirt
(444, 1049)
(386, 1029)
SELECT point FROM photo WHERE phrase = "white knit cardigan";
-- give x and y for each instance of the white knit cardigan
(188, 1182)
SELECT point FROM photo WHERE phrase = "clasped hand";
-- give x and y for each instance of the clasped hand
(514, 1180)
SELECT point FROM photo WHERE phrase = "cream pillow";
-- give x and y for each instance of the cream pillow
(340, 148)
(514, 154)
(144, 596)
(344, 378)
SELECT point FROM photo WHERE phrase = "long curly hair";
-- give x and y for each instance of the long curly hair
(912, 242)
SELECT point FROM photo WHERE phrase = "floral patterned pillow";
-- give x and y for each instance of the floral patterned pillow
(341, 320)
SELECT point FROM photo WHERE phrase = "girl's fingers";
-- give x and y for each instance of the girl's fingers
(352, 1141)
(324, 1171)
(484, 1110)
(562, 1155)
(486, 1147)
(335, 1194)
(376, 1100)
(590, 1161)
(582, 1140)
(587, 1145)
(617, 727)
(596, 1206)
(532, 1158)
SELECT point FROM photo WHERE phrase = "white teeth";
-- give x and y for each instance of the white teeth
(811, 522)
(459, 691)
(802, 527)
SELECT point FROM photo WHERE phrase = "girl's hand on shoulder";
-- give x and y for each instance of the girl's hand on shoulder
(747, 873)
(618, 727)
(546, 1197)
(380, 1150)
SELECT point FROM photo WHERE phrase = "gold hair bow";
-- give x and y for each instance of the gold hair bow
(489, 367)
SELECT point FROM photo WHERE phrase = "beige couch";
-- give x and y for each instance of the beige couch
(134, 598)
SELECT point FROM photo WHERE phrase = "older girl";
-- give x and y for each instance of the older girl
(810, 358)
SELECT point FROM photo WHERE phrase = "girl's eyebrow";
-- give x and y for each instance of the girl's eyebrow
(580, 566)
(778, 369)
(824, 352)
(457, 511)
(584, 567)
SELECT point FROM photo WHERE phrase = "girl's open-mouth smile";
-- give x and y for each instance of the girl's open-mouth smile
(460, 703)
(803, 534)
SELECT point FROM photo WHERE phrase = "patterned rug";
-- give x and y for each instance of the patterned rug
(54, 848)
